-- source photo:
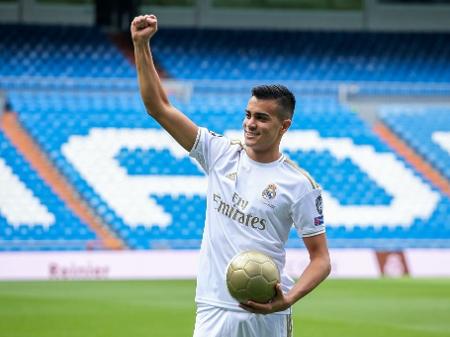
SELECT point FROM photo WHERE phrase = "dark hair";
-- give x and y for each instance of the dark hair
(284, 97)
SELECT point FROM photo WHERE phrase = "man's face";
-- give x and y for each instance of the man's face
(262, 127)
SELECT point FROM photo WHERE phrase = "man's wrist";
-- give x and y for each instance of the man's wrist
(141, 43)
(291, 299)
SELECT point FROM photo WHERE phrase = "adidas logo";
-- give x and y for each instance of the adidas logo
(232, 176)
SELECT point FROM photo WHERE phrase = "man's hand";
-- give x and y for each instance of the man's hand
(143, 27)
(278, 303)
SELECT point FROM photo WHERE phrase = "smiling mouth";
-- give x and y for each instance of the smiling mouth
(250, 134)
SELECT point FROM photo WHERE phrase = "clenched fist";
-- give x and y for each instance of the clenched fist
(143, 27)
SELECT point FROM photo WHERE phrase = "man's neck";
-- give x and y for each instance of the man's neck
(263, 156)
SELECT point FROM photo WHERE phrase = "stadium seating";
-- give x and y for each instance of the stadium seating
(58, 51)
(33, 217)
(343, 179)
(94, 108)
(82, 52)
(322, 56)
(427, 130)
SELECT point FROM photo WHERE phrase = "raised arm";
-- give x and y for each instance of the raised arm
(178, 125)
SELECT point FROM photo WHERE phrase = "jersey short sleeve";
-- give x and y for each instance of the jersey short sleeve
(208, 147)
(307, 214)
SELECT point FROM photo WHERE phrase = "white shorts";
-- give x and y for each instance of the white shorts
(219, 322)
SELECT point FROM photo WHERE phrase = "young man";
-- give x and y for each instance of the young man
(254, 196)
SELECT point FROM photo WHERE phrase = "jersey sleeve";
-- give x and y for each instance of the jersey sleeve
(307, 214)
(208, 147)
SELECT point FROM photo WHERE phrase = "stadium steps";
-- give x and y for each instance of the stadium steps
(24, 143)
(412, 157)
(125, 45)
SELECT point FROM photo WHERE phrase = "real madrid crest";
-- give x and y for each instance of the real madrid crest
(270, 192)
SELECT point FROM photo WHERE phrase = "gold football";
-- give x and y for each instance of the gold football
(252, 275)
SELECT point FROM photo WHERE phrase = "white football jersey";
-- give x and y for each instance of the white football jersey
(250, 206)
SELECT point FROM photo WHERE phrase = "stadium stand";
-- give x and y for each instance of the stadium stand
(48, 224)
(58, 51)
(85, 52)
(90, 122)
(426, 130)
(321, 56)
